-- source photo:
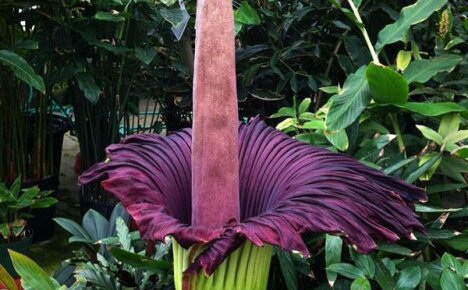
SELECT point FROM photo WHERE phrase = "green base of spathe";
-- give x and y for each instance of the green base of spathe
(246, 268)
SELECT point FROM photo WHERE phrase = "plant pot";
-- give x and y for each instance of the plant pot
(92, 196)
(21, 246)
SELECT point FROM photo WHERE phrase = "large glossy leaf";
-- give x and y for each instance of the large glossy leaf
(32, 276)
(386, 85)
(88, 86)
(348, 105)
(22, 69)
(409, 15)
(422, 70)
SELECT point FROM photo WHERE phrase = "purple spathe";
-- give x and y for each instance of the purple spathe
(286, 188)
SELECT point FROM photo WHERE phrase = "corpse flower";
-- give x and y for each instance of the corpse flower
(226, 192)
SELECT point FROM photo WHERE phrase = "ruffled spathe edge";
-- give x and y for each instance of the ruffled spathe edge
(287, 188)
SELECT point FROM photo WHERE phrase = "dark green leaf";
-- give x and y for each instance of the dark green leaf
(88, 87)
(409, 15)
(22, 69)
(386, 85)
(287, 269)
(333, 248)
(108, 16)
(432, 109)
(409, 278)
(366, 263)
(383, 276)
(451, 281)
(423, 70)
(394, 249)
(346, 270)
(436, 188)
(145, 55)
(398, 165)
(140, 262)
(459, 242)
(348, 105)
(422, 169)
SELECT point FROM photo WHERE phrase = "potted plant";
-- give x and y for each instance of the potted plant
(14, 205)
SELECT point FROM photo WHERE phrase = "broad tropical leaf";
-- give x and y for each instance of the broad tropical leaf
(22, 69)
(348, 105)
(423, 70)
(409, 15)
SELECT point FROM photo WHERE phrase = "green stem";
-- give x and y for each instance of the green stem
(246, 268)
(361, 26)
(396, 128)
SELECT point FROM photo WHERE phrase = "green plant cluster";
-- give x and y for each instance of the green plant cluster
(402, 108)
(110, 257)
(14, 203)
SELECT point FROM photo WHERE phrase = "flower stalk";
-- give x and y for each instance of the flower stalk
(245, 268)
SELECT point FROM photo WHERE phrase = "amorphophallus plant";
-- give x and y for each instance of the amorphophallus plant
(226, 192)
